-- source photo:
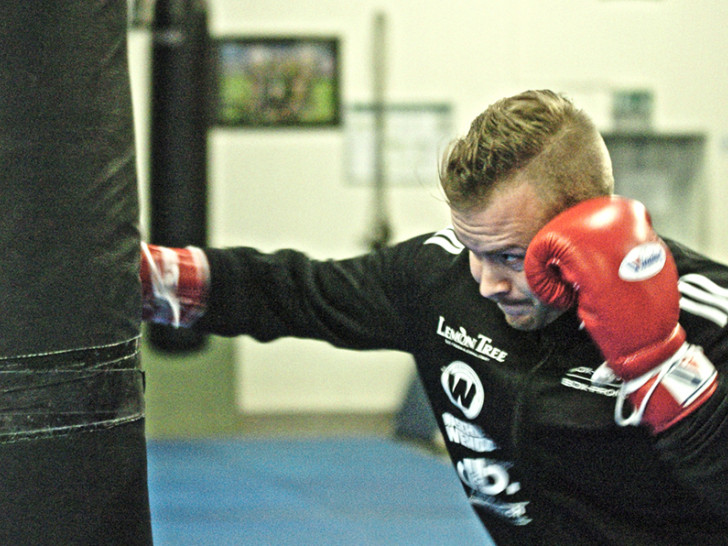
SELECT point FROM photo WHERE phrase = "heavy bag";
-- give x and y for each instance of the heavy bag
(72, 448)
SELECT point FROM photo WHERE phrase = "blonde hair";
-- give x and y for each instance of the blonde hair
(540, 133)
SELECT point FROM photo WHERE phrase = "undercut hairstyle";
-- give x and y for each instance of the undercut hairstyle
(540, 134)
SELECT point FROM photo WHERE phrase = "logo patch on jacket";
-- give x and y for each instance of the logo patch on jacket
(580, 379)
(463, 387)
(478, 345)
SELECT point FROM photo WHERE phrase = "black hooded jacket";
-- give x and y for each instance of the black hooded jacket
(532, 440)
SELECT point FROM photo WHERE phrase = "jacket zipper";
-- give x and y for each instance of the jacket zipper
(520, 405)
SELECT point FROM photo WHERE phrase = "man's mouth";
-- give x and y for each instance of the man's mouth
(515, 307)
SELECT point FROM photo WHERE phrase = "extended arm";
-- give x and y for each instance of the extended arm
(355, 303)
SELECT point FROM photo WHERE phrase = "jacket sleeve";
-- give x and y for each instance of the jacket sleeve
(697, 450)
(358, 303)
(697, 447)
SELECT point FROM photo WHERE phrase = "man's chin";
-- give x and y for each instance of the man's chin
(522, 321)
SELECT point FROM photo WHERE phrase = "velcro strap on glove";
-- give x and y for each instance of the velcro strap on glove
(667, 393)
(175, 284)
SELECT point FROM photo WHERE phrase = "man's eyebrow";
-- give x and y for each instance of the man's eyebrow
(505, 249)
(508, 249)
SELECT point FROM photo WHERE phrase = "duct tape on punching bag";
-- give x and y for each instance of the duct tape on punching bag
(72, 449)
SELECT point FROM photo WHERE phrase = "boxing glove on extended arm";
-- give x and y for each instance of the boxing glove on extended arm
(604, 256)
(174, 284)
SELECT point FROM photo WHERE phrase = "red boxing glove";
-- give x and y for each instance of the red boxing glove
(174, 284)
(604, 256)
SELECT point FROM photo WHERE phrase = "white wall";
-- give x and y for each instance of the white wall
(288, 188)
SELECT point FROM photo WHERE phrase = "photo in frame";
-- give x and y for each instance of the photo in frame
(277, 82)
(415, 135)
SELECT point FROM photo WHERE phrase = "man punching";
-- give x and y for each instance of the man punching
(604, 417)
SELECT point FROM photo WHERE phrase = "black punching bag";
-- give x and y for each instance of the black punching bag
(178, 185)
(72, 447)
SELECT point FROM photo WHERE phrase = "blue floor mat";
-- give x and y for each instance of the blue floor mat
(348, 491)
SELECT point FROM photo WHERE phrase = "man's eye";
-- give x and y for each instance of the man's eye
(514, 261)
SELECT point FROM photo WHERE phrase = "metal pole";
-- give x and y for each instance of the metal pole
(381, 230)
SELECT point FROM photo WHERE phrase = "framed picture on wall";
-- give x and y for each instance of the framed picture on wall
(277, 82)
(414, 137)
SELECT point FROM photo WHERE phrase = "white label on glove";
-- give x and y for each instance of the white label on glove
(642, 262)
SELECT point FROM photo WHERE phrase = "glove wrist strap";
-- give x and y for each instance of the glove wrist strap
(668, 392)
(179, 284)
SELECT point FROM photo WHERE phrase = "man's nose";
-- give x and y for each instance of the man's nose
(491, 281)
